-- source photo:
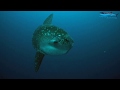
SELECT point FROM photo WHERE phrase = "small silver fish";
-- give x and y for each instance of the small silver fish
(108, 15)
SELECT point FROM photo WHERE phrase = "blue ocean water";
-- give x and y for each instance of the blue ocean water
(95, 54)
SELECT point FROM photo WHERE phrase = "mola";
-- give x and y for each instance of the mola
(108, 15)
(49, 39)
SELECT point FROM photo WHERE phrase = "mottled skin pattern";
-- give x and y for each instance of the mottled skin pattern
(50, 40)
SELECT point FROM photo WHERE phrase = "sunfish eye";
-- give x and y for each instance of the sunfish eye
(55, 42)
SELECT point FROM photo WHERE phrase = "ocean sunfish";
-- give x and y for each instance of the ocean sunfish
(49, 39)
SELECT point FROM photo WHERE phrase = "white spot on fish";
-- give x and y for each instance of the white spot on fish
(48, 33)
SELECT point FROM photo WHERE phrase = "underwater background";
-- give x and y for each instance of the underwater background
(94, 55)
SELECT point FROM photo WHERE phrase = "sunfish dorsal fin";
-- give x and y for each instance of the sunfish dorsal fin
(48, 20)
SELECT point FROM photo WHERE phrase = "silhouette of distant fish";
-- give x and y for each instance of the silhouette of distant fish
(108, 15)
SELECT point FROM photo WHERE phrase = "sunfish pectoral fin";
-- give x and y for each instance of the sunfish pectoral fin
(48, 20)
(38, 59)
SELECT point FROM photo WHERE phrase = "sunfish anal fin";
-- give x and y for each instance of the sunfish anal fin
(48, 20)
(38, 59)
